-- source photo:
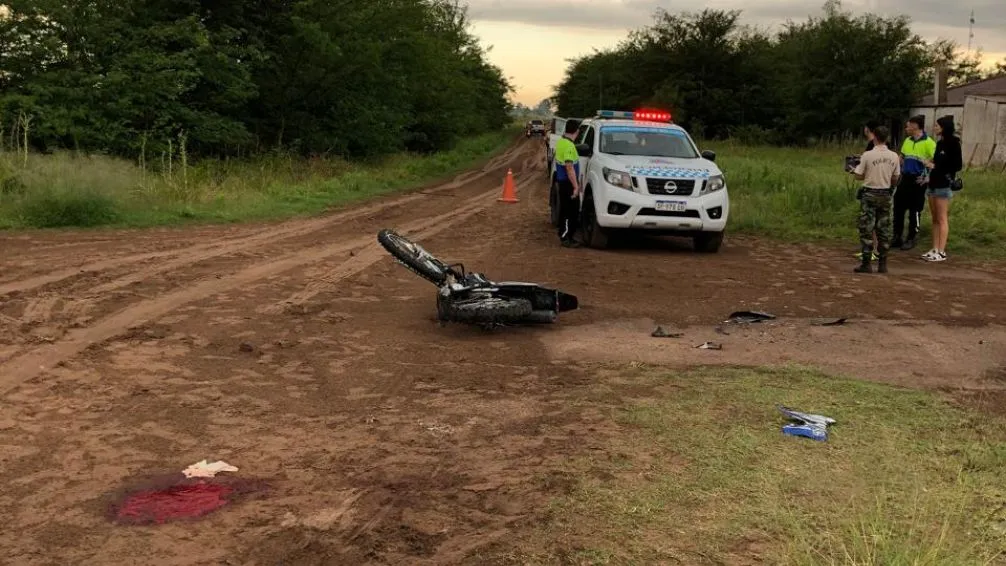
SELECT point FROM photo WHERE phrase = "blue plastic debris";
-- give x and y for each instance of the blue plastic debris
(806, 425)
(815, 432)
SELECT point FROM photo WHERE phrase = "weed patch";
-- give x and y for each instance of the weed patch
(71, 190)
(703, 475)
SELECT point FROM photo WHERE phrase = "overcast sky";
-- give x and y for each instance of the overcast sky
(532, 39)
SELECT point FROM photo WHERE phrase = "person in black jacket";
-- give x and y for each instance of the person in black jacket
(947, 162)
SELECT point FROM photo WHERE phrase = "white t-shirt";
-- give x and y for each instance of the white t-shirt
(879, 167)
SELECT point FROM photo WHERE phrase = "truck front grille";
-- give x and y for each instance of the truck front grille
(681, 188)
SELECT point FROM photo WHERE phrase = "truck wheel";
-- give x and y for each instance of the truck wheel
(593, 234)
(708, 242)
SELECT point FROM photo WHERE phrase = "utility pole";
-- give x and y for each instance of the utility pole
(971, 31)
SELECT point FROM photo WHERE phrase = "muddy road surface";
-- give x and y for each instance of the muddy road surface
(300, 353)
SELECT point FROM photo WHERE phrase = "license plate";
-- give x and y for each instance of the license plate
(671, 206)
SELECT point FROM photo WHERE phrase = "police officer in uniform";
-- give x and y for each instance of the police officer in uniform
(567, 176)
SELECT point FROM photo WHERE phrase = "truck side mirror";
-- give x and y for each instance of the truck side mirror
(584, 150)
(710, 155)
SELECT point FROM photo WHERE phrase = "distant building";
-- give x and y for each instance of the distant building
(979, 111)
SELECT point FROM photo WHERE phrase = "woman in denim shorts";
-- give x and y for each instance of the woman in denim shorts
(944, 167)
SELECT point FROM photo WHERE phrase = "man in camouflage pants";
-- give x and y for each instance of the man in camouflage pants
(879, 170)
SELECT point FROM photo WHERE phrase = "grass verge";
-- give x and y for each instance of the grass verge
(69, 190)
(700, 473)
(803, 195)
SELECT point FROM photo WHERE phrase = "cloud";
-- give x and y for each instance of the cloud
(598, 14)
(931, 18)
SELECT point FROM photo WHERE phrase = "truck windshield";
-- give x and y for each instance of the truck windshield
(646, 142)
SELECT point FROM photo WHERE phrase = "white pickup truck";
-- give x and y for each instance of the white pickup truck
(642, 172)
(534, 128)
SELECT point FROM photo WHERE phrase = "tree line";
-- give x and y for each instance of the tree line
(354, 78)
(820, 78)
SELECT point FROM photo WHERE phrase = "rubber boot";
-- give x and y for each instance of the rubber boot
(865, 266)
(882, 263)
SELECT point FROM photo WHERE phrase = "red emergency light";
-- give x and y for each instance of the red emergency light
(652, 115)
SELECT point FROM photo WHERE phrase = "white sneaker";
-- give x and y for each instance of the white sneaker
(937, 256)
(930, 255)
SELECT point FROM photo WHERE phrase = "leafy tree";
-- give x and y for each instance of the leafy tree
(822, 77)
(841, 71)
(713, 69)
(237, 76)
(544, 107)
(962, 67)
(104, 75)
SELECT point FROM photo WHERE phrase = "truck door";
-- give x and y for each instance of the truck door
(585, 137)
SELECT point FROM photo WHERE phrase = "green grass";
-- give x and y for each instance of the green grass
(701, 474)
(795, 195)
(803, 195)
(69, 190)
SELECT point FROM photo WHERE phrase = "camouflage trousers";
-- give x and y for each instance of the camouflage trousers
(875, 214)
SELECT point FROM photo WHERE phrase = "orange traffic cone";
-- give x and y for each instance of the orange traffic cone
(509, 189)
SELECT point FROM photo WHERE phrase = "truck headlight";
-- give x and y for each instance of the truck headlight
(620, 179)
(713, 184)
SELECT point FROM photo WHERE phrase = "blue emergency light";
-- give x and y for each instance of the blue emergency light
(640, 115)
(617, 114)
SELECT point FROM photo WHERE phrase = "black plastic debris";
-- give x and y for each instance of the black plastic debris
(836, 322)
(661, 333)
(747, 317)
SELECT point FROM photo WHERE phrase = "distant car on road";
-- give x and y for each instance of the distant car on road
(640, 171)
(534, 128)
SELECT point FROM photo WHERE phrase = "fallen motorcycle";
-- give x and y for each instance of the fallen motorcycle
(472, 298)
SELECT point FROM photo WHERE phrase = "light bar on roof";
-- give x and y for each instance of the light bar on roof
(652, 115)
(615, 114)
(640, 115)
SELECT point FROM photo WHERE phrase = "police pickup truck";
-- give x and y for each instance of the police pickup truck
(640, 171)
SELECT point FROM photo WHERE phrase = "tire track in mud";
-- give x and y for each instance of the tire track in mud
(201, 252)
(372, 252)
(35, 362)
(40, 307)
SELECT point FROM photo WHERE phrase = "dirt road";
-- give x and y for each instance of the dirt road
(302, 354)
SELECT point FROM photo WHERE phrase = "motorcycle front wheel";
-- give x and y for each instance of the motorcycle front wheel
(413, 256)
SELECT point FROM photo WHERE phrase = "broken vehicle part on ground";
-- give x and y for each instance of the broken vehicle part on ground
(471, 297)
(749, 317)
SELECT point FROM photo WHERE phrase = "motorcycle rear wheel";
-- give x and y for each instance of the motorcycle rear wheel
(413, 256)
(488, 310)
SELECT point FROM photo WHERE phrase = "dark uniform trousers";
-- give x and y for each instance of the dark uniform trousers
(569, 211)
